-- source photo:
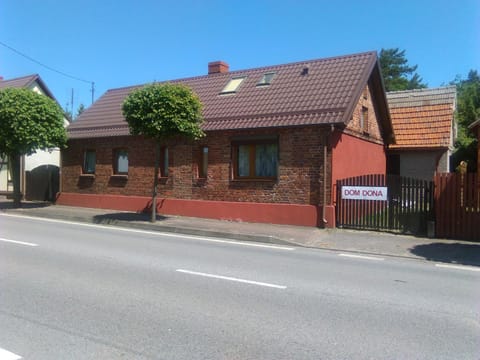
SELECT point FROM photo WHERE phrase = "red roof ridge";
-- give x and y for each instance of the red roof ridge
(240, 71)
(399, 92)
(302, 62)
(21, 77)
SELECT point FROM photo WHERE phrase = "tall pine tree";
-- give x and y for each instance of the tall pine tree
(397, 73)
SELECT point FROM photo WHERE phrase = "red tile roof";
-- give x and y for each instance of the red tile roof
(423, 118)
(20, 82)
(25, 82)
(327, 94)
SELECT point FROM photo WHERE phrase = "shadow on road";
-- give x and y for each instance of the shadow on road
(456, 253)
(7, 204)
(124, 216)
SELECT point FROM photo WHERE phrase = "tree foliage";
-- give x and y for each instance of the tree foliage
(397, 73)
(162, 111)
(468, 110)
(69, 114)
(80, 110)
(28, 122)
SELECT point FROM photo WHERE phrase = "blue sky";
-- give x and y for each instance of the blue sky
(121, 43)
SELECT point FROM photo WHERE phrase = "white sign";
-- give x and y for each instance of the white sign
(364, 193)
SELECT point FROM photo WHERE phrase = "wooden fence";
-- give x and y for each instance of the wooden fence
(408, 208)
(457, 206)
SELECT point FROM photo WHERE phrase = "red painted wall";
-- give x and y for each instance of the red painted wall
(352, 156)
(285, 214)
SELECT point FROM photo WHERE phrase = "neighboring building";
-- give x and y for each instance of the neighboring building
(475, 128)
(425, 130)
(42, 167)
(277, 138)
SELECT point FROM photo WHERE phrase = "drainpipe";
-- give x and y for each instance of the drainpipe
(325, 153)
(325, 179)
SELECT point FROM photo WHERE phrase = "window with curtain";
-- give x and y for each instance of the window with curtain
(256, 159)
(121, 162)
(203, 163)
(89, 161)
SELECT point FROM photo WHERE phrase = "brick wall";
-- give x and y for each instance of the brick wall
(299, 180)
(141, 158)
(354, 127)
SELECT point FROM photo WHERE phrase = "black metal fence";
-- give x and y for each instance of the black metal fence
(407, 207)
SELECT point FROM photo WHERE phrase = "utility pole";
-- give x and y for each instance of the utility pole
(93, 91)
(71, 103)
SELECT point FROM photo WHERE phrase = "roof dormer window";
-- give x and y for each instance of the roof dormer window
(233, 85)
(266, 79)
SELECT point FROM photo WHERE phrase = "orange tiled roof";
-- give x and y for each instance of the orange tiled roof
(422, 118)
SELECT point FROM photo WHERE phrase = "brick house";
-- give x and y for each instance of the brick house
(277, 138)
(425, 129)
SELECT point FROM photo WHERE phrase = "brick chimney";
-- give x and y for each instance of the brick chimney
(217, 67)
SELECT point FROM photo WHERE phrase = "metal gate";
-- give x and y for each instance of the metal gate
(407, 207)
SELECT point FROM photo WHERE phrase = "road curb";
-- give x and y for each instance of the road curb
(159, 228)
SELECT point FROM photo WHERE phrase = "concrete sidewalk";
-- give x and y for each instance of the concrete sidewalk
(365, 242)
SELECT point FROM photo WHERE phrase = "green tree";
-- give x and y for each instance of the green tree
(28, 122)
(468, 110)
(162, 112)
(80, 110)
(70, 116)
(397, 74)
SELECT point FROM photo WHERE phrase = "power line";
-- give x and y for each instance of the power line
(52, 69)
(45, 66)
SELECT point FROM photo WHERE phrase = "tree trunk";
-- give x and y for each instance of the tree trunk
(14, 160)
(155, 183)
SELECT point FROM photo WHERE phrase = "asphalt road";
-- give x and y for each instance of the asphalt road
(79, 291)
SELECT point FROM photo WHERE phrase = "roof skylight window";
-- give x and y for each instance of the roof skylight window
(233, 85)
(266, 79)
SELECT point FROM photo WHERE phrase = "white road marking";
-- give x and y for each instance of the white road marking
(7, 355)
(458, 267)
(19, 243)
(232, 279)
(362, 257)
(231, 242)
(158, 233)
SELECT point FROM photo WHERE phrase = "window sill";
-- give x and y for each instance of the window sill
(119, 176)
(254, 180)
(162, 180)
(87, 176)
